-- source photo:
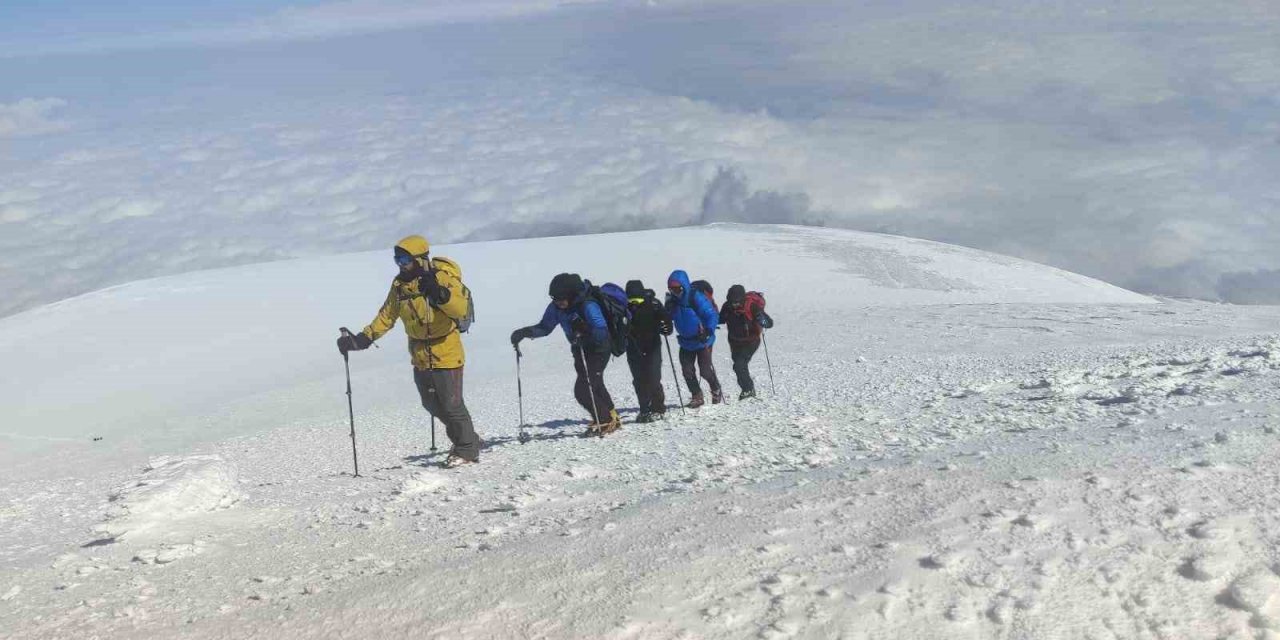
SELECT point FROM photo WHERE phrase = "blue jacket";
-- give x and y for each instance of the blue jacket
(692, 313)
(597, 337)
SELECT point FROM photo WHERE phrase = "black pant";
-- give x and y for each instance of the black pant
(708, 369)
(742, 352)
(585, 391)
(441, 391)
(646, 377)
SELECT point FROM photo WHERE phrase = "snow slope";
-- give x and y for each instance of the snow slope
(960, 446)
(152, 364)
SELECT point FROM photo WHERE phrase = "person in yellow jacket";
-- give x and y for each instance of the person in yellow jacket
(428, 296)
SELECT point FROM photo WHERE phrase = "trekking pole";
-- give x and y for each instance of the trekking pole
(524, 437)
(595, 408)
(431, 375)
(773, 389)
(675, 378)
(351, 411)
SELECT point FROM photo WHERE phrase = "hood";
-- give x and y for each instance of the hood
(416, 246)
(737, 293)
(635, 289)
(682, 278)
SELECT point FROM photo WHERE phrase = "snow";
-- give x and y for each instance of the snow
(960, 445)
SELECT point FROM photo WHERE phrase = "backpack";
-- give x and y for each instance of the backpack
(753, 303)
(613, 305)
(705, 288)
(449, 266)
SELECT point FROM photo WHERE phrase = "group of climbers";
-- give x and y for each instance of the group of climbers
(428, 296)
(580, 310)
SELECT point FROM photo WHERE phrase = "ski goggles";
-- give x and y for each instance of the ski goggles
(404, 259)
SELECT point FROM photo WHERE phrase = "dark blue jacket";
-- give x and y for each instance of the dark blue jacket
(692, 313)
(597, 337)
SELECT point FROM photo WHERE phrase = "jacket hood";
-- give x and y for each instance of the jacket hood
(416, 246)
(635, 289)
(680, 277)
(737, 293)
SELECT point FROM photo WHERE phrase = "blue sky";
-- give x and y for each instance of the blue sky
(71, 24)
(1132, 142)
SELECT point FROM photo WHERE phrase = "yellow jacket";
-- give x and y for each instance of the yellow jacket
(434, 340)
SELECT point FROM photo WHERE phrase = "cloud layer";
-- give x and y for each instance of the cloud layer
(30, 117)
(1126, 141)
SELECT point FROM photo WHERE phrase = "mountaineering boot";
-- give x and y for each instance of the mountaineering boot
(644, 418)
(696, 401)
(658, 415)
(455, 461)
(750, 393)
(717, 396)
(612, 425)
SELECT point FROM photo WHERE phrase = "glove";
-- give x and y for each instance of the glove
(665, 328)
(702, 334)
(523, 333)
(764, 320)
(353, 342)
(430, 287)
(580, 327)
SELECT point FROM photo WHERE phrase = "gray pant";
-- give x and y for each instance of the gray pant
(441, 391)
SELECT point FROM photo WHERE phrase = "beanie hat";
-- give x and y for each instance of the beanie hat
(565, 286)
(737, 293)
(635, 289)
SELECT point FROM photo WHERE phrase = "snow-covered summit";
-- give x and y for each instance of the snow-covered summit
(959, 445)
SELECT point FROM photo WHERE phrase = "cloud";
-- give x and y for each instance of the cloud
(1128, 142)
(30, 117)
(1250, 287)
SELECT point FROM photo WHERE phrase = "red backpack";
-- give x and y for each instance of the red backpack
(753, 303)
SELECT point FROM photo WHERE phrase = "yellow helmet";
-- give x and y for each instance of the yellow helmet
(416, 246)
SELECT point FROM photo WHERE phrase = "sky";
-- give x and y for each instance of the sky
(1132, 142)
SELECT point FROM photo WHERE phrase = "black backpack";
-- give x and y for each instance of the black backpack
(705, 288)
(613, 304)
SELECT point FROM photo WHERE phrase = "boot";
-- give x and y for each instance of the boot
(717, 396)
(747, 393)
(454, 461)
(696, 401)
(644, 418)
(615, 421)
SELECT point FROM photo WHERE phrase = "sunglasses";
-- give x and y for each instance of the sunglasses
(404, 259)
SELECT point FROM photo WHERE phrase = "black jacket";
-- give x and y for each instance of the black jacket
(649, 322)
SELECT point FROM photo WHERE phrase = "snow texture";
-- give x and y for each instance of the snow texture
(959, 446)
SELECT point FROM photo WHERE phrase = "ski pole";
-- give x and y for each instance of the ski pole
(351, 411)
(773, 389)
(674, 377)
(595, 408)
(524, 437)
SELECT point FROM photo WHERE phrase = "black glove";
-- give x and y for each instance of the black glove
(523, 333)
(665, 328)
(579, 326)
(353, 342)
(702, 334)
(764, 320)
(430, 287)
